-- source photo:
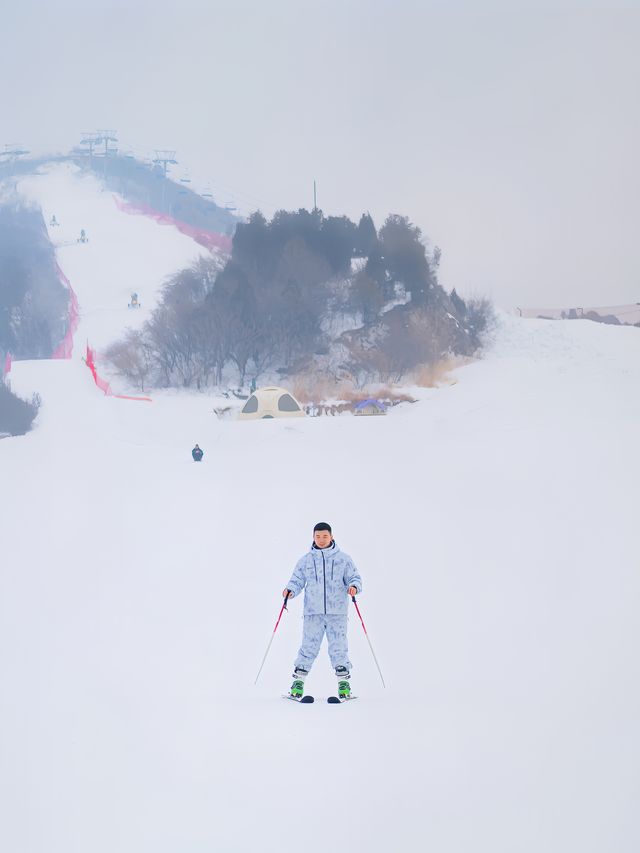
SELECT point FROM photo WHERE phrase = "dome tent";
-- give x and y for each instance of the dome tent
(370, 407)
(271, 402)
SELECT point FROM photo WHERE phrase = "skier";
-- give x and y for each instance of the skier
(54, 222)
(328, 576)
(83, 237)
(197, 454)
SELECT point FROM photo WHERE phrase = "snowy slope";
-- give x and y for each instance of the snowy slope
(494, 526)
(124, 254)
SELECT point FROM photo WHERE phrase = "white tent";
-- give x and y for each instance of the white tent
(271, 403)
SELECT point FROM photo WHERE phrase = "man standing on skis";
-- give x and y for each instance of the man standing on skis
(328, 577)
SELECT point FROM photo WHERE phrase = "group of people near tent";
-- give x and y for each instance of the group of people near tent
(274, 402)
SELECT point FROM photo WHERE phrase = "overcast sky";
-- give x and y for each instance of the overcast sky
(508, 131)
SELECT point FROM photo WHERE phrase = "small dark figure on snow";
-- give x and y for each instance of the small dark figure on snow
(54, 222)
(197, 454)
(83, 237)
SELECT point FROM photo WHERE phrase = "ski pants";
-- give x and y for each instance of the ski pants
(315, 627)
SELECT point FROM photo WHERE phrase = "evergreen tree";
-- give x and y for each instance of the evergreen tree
(405, 257)
(458, 304)
(376, 269)
(338, 241)
(366, 237)
(367, 296)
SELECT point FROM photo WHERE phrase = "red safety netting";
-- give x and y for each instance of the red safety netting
(6, 367)
(65, 349)
(90, 359)
(211, 240)
(103, 385)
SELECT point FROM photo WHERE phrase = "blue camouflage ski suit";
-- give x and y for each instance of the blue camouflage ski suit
(325, 574)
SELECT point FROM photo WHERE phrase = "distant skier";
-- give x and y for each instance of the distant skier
(197, 454)
(328, 577)
(83, 237)
(135, 303)
(54, 222)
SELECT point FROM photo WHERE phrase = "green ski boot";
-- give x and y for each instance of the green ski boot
(344, 688)
(297, 688)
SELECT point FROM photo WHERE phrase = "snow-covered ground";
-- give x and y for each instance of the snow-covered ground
(494, 524)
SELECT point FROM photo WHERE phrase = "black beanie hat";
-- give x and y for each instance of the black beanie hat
(322, 525)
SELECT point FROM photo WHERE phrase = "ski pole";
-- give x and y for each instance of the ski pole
(353, 598)
(282, 609)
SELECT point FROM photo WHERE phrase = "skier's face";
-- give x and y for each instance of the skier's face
(322, 538)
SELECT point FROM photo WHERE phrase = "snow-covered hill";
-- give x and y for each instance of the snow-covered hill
(494, 524)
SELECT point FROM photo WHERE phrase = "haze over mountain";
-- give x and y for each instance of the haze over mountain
(508, 133)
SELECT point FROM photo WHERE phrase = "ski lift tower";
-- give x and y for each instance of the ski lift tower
(165, 159)
(104, 138)
(12, 152)
(90, 139)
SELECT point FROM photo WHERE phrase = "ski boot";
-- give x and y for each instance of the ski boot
(297, 688)
(344, 688)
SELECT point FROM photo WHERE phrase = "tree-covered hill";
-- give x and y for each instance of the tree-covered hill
(300, 293)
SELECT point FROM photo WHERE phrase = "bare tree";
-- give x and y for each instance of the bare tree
(133, 357)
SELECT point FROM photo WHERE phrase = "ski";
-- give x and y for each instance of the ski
(333, 700)
(305, 700)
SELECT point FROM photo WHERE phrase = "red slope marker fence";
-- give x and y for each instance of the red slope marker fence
(65, 348)
(103, 385)
(211, 240)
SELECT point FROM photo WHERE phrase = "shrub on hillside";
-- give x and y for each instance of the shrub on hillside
(16, 415)
(132, 357)
(408, 336)
(480, 319)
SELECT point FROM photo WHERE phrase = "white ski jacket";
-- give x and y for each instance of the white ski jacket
(325, 574)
